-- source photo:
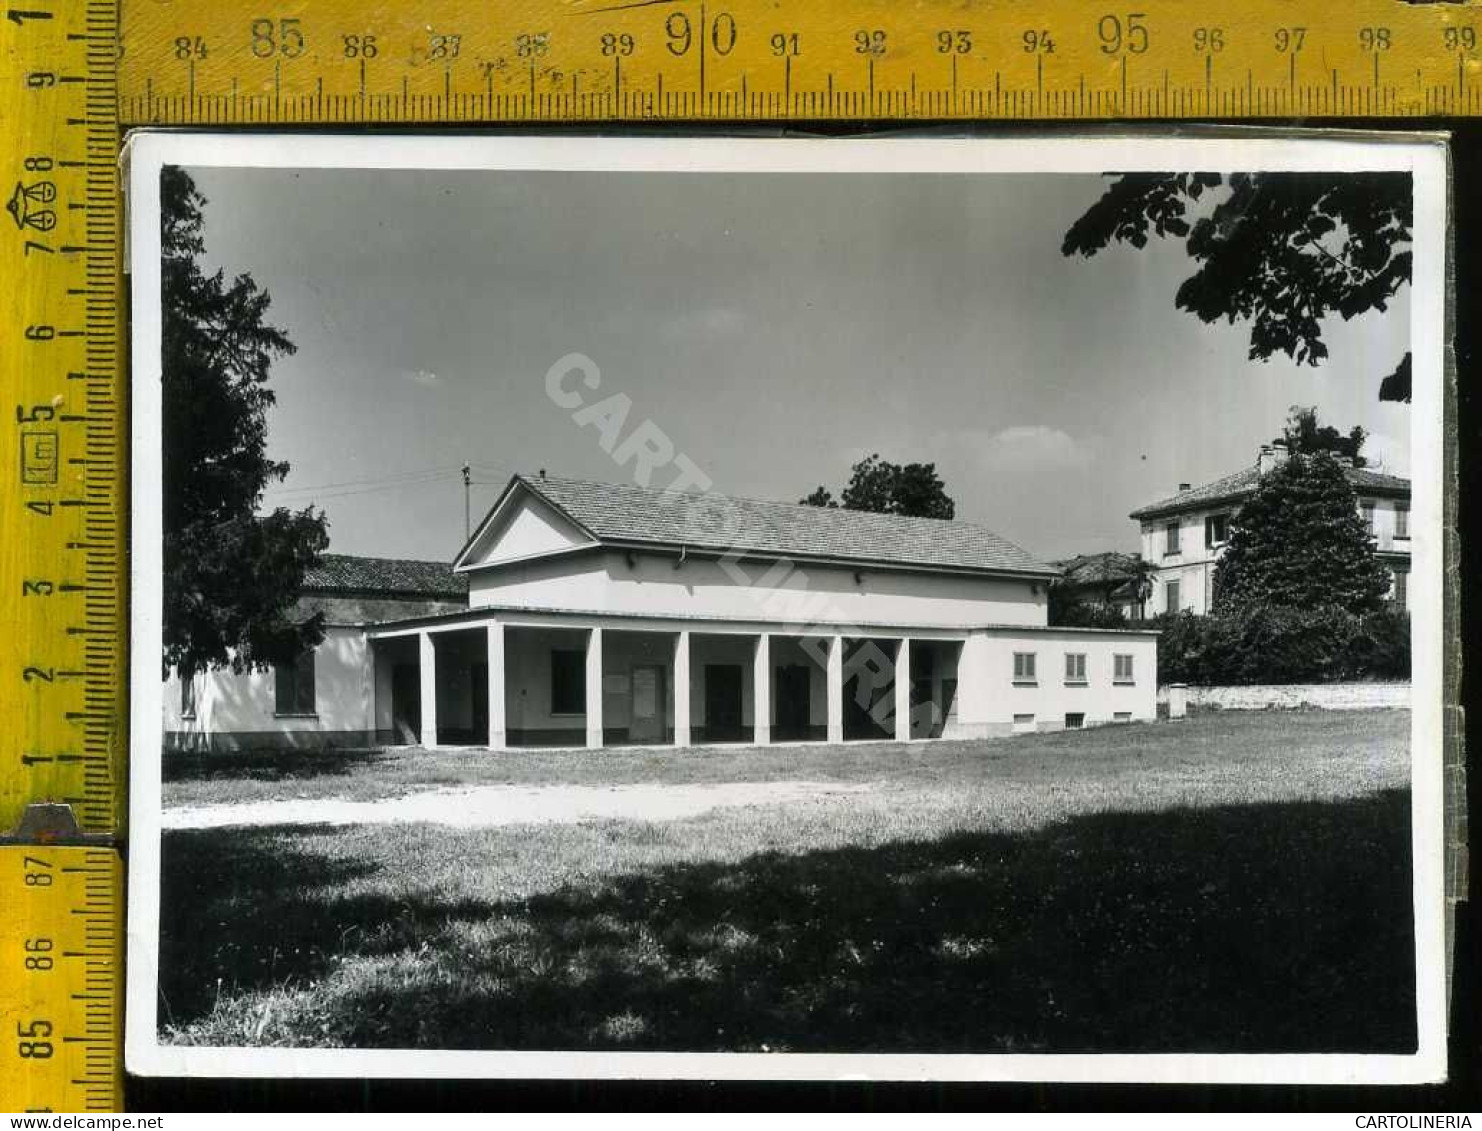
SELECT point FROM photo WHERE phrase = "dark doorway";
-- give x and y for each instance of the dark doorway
(722, 703)
(869, 699)
(792, 702)
(479, 673)
(406, 702)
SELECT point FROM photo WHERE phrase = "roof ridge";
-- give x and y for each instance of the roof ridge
(637, 487)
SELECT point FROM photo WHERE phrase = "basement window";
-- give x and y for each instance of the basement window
(1075, 720)
(1122, 717)
(1023, 723)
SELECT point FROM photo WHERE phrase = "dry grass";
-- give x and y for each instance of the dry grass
(1235, 882)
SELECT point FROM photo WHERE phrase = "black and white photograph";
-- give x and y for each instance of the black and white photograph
(936, 608)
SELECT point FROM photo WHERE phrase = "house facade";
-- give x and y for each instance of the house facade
(1108, 578)
(1184, 535)
(592, 614)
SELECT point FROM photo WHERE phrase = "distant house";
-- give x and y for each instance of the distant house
(592, 614)
(1108, 578)
(1184, 534)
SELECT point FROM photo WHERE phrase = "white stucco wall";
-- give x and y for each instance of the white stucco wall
(236, 710)
(1193, 566)
(807, 595)
(989, 699)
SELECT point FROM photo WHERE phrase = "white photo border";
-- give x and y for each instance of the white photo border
(1424, 156)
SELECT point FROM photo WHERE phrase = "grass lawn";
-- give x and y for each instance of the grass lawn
(1235, 882)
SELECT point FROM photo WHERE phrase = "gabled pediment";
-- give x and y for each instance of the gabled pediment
(522, 526)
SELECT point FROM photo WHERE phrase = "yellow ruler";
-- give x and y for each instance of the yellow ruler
(62, 610)
(598, 60)
(73, 71)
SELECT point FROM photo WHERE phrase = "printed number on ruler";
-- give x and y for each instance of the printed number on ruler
(335, 60)
(59, 956)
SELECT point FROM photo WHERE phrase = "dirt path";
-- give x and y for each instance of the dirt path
(488, 806)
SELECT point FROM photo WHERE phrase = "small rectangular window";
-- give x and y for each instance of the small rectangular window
(568, 681)
(1402, 589)
(1170, 537)
(1216, 530)
(294, 686)
(187, 696)
(1024, 667)
(1122, 667)
(1075, 667)
(1171, 597)
(1402, 520)
(1122, 717)
(1023, 723)
(1367, 509)
(1075, 720)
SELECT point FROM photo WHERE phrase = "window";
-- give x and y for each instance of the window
(1367, 509)
(1402, 520)
(1023, 723)
(1401, 595)
(1075, 720)
(568, 681)
(1024, 667)
(1122, 667)
(1075, 667)
(294, 686)
(1122, 717)
(187, 696)
(1170, 538)
(1216, 530)
(1171, 597)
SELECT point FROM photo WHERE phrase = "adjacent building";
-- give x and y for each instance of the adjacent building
(1184, 534)
(593, 614)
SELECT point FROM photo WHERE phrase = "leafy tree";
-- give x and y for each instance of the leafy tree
(1068, 610)
(820, 497)
(1280, 251)
(1304, 434)
(231, 575)
(1299, 542)
(882, 487)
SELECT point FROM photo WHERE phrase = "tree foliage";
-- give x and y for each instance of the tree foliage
(231, 575)
(1304, 433)
(1273, 644)
(1279, 251)
(1299, 542)
(883, 487)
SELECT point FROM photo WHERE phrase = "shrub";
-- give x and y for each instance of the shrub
(1282, 644)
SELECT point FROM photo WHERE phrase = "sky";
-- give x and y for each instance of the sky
(774, 327)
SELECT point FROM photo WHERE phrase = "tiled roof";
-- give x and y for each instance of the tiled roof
(629, 514)
(1243, 482)
(347, 574)
(1098, 569)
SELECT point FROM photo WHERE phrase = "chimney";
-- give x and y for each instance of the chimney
(1185, 486)
(1266, 460)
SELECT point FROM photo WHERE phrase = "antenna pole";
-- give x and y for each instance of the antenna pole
(467, 518)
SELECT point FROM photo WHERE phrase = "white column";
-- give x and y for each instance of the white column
(761, 691)
(903, 691)
(594, 688)
(427, 669)
(497, 739)
(836, 689)
(682, 689)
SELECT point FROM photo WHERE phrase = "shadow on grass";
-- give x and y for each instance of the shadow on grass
(266, 764)
(1262, 928)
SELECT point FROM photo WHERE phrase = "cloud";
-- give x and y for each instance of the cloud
(1027, 447)
(706, 321)
(424, 377)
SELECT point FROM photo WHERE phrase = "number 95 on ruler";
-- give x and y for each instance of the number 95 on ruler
(59, 962)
